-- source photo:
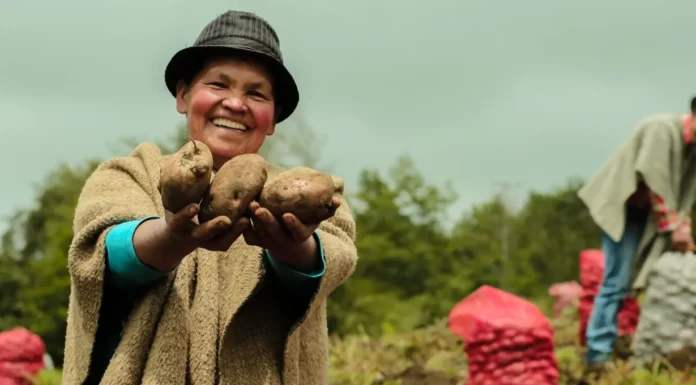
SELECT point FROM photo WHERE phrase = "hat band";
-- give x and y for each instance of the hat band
(241, 43)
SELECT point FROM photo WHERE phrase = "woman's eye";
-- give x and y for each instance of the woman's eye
(257, 94)
(217, 84)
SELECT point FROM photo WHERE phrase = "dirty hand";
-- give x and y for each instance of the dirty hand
(217, 234)
(289, 240)
(682, 240)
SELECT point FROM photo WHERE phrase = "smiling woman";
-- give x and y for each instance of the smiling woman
(230, 106)
(159, 297)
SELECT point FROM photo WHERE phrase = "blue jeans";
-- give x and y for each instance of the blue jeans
(602, 328)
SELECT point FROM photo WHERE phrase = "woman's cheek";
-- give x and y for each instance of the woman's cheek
(263, 115)
(203, 103)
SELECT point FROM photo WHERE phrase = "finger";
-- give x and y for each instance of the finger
(251, 209)
(211, 229)
(298, 230)
(253, 206)
(335, 204)
(241, 226)
(180, 222)
(226, 239)
(268, 229)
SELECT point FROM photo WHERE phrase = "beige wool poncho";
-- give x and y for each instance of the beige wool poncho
(218, 318)
(655, 155)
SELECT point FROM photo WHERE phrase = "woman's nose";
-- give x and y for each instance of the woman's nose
(234, 103)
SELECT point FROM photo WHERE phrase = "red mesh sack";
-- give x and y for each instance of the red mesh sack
(591, 268)
(565, 294)
(21, 356)
(591, 276)
(506, 338)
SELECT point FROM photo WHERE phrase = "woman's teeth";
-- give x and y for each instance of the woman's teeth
(225, 123)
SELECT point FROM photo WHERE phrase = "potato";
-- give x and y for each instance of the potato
(306, 193)
(185, 176)
(234, 186)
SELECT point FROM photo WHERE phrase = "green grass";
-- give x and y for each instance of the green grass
(48, 377)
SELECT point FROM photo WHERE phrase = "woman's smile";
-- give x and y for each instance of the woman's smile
(229, 124)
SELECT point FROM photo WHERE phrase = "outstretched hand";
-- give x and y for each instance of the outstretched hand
(289, 240)
(217, 234)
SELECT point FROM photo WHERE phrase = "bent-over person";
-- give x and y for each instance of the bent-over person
(641, 199)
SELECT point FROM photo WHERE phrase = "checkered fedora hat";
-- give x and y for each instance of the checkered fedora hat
(230, 33)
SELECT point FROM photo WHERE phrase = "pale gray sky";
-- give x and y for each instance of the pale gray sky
(477, 92)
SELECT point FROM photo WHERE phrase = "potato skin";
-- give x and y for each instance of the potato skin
(306, 193)
(185, 176)
(238, 182)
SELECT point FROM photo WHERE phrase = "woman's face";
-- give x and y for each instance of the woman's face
(229, 106)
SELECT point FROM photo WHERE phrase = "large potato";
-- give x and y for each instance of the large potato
(185, 176)
(238, 182)
(306, 193)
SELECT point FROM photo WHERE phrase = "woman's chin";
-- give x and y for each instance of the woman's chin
(225, 149)
(222, 154)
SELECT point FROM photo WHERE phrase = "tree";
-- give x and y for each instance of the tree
(556, 227)
(13, 277)
(34, 250)
(476, 243)
(402, 246)
(411, 271)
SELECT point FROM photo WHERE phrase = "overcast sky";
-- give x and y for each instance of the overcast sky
(477, 92)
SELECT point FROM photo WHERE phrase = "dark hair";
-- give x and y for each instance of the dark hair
(693, 105)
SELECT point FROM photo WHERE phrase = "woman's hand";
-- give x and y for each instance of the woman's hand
(289, 240)
(217, 234)
(682, 239)
(162, 243)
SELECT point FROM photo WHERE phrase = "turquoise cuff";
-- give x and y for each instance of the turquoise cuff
(292, 277)
(126, 269)
(129, 272)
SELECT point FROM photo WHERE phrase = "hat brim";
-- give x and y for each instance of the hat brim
(185, 63)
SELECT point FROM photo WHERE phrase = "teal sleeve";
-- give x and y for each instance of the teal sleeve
(302, 284)
(127, 271)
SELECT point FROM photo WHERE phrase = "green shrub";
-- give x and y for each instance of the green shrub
(48, 377)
